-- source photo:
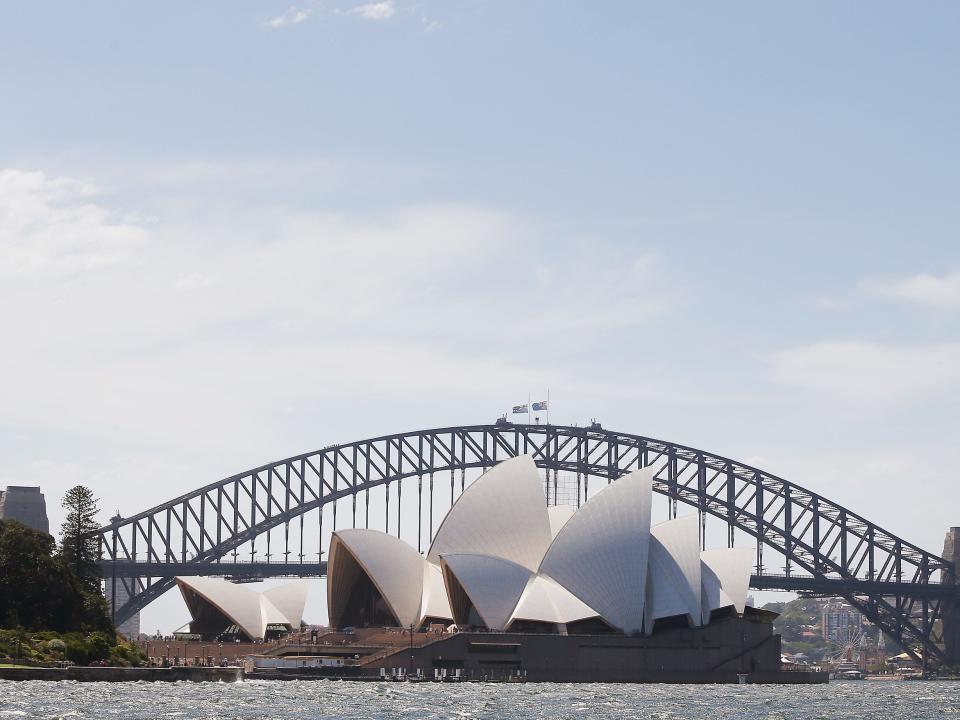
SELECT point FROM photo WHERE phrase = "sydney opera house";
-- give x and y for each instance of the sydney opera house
(502, 560)
(510, 585)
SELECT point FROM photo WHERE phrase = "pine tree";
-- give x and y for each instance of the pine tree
(79, 549)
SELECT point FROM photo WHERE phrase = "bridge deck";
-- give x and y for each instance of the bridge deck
(261, 569)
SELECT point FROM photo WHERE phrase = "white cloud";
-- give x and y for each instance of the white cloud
(869, 373)
(941, 292)
(832, 302)
(52, 226)
(383, 10)
(194, 280)
(293, 15)
(247, 330)
(584, 292)
(234, 315)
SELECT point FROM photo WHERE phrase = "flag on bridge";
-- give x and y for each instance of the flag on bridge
(518, 409)
(540, 406)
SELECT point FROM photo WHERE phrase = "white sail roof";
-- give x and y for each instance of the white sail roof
(289, 600)
(240, 604)
(600, 554)
(250, 610)
(726, 578)
(492, 584)
(393, 566)
(543, 600)
(558, 516)
(674, 582)
(503, 513)
(434, 603)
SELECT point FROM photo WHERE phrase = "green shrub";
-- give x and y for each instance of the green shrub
(77, 652)
(126, 655)
(80, 648)
(85, 649)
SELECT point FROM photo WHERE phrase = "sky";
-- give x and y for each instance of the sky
(231, 232)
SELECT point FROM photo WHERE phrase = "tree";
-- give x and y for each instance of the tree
(39, 591)
(78, 547)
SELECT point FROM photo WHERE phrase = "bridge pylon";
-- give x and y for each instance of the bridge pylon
(951, 615)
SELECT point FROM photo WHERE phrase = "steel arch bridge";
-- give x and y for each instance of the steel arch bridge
(909, 593)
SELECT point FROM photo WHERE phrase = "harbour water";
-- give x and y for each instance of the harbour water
(324, 699)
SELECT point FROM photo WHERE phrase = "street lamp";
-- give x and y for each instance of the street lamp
(411, 649)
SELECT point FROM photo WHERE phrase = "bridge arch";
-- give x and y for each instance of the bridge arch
(908, 592)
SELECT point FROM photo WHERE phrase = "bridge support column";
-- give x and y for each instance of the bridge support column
(116, 597)
(951, 613)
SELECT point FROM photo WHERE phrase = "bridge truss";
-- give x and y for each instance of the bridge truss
(824, 548)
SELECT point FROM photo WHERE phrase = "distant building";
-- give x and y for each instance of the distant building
(839, 621)
(26, 505)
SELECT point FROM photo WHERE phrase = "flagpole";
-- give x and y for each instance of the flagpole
(548, 406)
(528, 408)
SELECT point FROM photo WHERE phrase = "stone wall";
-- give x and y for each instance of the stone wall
(118, 674)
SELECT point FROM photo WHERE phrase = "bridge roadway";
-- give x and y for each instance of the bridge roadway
(262, 569)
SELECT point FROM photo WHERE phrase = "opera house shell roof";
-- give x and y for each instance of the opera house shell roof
(221, 607)
(503, 560)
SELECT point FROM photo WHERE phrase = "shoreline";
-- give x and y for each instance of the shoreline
(234, 674)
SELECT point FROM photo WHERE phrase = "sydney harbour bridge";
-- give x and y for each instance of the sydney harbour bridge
(275, 520)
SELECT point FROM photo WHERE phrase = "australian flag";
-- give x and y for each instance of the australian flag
(518, 409)
(540, 406)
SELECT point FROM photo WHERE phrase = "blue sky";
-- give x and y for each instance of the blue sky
(233, 231)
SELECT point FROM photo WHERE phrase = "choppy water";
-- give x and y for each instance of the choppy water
(265, 699)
